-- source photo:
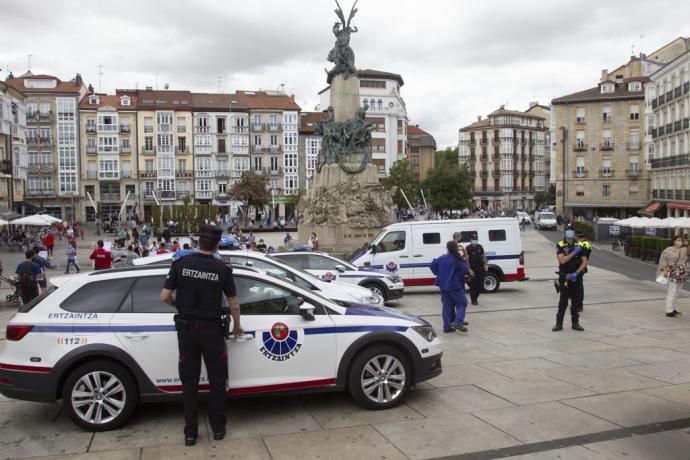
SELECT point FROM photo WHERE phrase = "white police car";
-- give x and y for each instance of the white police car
(329, 268)
(335, 291)
(103, 342)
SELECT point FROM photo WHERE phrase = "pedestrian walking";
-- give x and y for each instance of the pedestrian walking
(523, 224)
(571, 263)
(200, 281)
(479, 265)
(49, 241)
(587, 252)
(673, 266)
(313, 242)
(102, 258)
(27, 273)
(450, 270)
(71, 257)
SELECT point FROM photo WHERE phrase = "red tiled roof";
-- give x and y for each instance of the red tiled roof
(414, 130)
(262, 100)
(62, 87)
(211, 101)
(620, 92)
(108, 100)
(307, 120)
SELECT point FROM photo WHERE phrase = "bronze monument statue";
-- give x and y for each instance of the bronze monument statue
(342, 55)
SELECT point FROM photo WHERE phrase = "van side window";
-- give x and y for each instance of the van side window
(467, 236)
(497, 235)
(393, 241)
(431, 238)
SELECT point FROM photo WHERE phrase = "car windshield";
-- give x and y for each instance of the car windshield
(317, 293)
(365, 247)
(307, 276)
(547, 215)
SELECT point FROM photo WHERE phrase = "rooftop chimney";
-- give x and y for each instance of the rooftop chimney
(479, 118)
(166, 86)
(503, 107)
(533, 104)
(78, 79)
(604, 74)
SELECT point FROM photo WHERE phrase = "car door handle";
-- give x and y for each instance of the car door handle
(418, 255)
(404, 257)
(135, 335)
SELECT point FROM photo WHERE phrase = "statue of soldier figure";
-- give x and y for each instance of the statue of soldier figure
(351, 136)
(342, 55)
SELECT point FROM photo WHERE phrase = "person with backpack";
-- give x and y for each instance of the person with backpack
(27, 271)
(72, 257)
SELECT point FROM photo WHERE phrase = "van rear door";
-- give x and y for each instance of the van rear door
(427, 244)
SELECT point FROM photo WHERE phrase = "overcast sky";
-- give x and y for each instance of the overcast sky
(459, 59)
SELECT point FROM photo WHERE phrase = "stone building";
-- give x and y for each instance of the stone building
(505, 153)
(52, 137)
(421, 151)
(108, 165)
(668, 142)
(309, 147)
(13, 154)
(380, 91)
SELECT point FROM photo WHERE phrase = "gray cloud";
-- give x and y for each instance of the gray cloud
(459, 59)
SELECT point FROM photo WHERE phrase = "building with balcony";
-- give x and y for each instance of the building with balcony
(52, 141)
(380, 91)
(668, 140)
(421, 151)
(309, 147)
(108, 163)
(506, 156)
(164, 135)
(13, 153)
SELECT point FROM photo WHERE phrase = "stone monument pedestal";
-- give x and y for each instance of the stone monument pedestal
(344, 210)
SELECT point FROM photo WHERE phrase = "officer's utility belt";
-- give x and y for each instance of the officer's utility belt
(182, 322)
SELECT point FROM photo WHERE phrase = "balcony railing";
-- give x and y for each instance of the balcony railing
(149, 174)
(148, 128)
(182, 193)
(580, 147)
(633, 173)
(606, 146)
(126, 149)
(179, 173)
(167, 194)
(607, 173)
(240, 129)
(91, 129)
(107, 128)
(105, 196)
(203, 194)
(40, 192)
(222, 173)
(483, 174)
(580, 120)
(666, 162)
(182, 151)
(91, 174)
(202, 130)
(148, 150)
(181, 129)
(634, 146)
(661, 131)
(273, 127)
(677, 125)
(580, 173)
(496, 173)
(125, 129)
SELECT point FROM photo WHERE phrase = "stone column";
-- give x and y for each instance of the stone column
(345, 97)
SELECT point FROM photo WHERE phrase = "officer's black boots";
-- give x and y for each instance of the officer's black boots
(189, 441)
(557, 327)
(577, 327)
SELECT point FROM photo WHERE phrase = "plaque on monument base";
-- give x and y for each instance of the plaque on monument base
(344, 210)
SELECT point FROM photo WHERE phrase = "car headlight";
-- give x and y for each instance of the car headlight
(425, 331)
(371, 299)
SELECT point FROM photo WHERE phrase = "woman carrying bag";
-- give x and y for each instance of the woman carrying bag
(673, 272)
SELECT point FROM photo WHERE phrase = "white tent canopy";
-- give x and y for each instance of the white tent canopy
(50, 218)
(35, 220)
(3, 222)
(654, 222)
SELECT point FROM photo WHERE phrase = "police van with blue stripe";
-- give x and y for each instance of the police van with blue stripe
(103, 342)
(406, 249)
(329, 268)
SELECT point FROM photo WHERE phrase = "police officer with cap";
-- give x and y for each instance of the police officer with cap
(200, 281)
(571, 264)
(587, 252)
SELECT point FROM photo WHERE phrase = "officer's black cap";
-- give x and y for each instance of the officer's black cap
(579, 233)
(210, 231)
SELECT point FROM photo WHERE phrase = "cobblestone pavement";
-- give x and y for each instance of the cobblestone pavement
(510, 388)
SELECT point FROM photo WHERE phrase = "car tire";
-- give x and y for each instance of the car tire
(385, 393)
(113, 395)
(491, 282)
(377, 289)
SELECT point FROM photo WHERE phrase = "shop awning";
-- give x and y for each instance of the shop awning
(685, 206)
(651, 208)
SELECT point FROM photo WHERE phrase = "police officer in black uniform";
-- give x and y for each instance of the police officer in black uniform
(571, 264)
(478, 265)
(201, 280)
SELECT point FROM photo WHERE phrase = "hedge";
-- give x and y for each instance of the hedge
(585, 227)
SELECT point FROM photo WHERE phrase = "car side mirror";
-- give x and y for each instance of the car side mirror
(306, 310)
(372, 248)
(340, 268)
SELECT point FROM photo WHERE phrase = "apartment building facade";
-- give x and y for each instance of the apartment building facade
(505, 153)
(13, 153)
(421, 151)
(309, 147)
(668, 142)
(52, 137)
(109, 167)
(380, 92)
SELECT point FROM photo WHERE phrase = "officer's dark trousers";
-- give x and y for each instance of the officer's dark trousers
(194, 341)
(570, 290)
(476, 284)
(581, 297)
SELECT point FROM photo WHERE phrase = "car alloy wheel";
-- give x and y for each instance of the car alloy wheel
(98, 397)
(376, 290)
(490, 282)
(383, 379)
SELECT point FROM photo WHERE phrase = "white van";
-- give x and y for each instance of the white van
(407, 249)
(545, 220)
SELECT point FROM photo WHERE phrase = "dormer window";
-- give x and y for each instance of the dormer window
(607, 88)
(93, 100)
(124, 100)
(634, 86)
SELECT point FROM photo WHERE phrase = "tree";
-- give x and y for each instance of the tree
(401, 177)
(448, 184)
(546, 197)
(252, 190)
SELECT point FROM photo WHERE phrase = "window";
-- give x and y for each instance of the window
(431, 238)
(580, 139)
(607, 88)
(606, 190)
(148, 143)
(99, 296)
(145, 297)
(580, 116)
(634, 112)
(497, 235)
(579, 190)
(372, 84)
(148, 124)
(182, 143)
(468, 236)
(257, 122)
(257, 140)
(580, 167)
(606, 114)
(634, 86)
(296, 260)
(607, 138)
(124, 100)
(393, 241)
(261, 298)
(634, 188)
(606, 167)
(634, 139)
(274, 140)
(222, 189)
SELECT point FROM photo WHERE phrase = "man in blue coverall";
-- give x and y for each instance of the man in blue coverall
(450, 270)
